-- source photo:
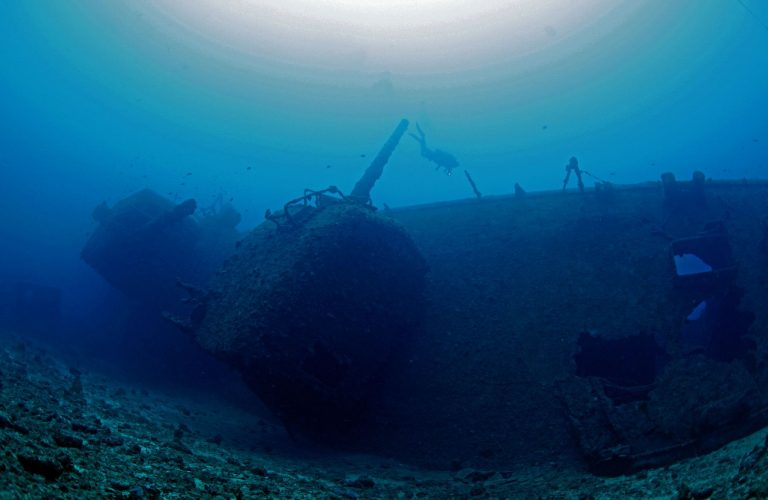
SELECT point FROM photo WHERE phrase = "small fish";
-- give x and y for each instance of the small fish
(188, 173)
(362, 155)
(328, 166)
(755, 140)
(544, 127)
(248, 168)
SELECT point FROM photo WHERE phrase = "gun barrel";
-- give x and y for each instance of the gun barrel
(362, 190)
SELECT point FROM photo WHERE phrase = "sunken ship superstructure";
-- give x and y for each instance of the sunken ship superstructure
(610, 328)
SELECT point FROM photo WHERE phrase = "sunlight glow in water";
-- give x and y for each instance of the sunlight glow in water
(407, 36)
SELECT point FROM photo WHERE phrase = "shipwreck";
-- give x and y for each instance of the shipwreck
(613, 328)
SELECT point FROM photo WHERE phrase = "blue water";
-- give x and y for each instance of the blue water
(259, 100)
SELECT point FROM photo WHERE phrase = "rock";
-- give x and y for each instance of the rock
(49, 468)
(477, 491)
(134, 449)
(6, 423)
(67, 441)
(136, 493)
(360, 482)
(342, 493)
(179, 432)
(259, 471)
(120, 485)
(85, 429)
(751, 459)
(686, 492)
(76, 387)
(477, 476)
(112, 440)
(179, 446)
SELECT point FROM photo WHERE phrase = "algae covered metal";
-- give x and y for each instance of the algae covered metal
(311, 309)
(311, 316)
(145, 243)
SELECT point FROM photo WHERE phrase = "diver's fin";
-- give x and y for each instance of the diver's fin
(418, 139)
(421, 132)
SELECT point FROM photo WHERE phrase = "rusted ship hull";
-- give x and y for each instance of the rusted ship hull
(492, 378)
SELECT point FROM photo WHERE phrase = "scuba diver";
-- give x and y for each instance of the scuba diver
(437, 156)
